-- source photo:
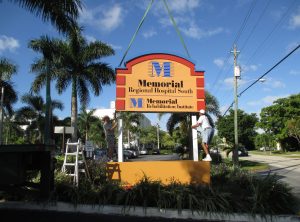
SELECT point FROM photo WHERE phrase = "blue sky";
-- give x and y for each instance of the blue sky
(263, 30)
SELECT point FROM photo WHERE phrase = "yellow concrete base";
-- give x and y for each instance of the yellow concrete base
(184, 171)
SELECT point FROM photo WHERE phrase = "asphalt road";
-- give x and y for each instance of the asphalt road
(288, 169)
(155, 157)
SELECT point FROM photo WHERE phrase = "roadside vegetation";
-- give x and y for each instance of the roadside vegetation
(232, 190)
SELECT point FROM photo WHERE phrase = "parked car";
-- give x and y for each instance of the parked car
(155, 151)
(129, 153)
(143, 152)
(243, 151)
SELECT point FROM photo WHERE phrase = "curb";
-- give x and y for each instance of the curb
(142, 212)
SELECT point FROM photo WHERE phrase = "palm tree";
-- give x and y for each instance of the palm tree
(34, 112)
(61, 13)
(7, 69)
(184, 120)
(79, 66)
(7, 93)
(13, 132)
(45, 67)
(86, 119)
(131, 121)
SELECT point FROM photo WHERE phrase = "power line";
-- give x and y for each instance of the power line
(282, 19)
(286, 13)
(278, 63)
(241, 29)
(256, 24)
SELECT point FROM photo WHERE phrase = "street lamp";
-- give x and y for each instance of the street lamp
(259, 80)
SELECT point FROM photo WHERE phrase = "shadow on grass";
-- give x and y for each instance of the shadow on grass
(253, 166)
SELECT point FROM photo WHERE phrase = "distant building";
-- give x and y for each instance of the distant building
(106, 112)
(144, 122)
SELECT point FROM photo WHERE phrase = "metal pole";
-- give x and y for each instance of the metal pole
(1, 114)
(235, 156)
(120, 141)
(195, 140)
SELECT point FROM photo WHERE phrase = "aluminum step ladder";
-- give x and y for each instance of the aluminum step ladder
(74, 161)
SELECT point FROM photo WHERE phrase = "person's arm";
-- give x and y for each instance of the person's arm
(196, 125)
(199, 123)
(114, 125)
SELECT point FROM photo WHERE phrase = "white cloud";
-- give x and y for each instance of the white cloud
(103, 18)
(184, 13)
(90, 38)
(176, 6)
(195, 32)
(182, 6)
(249, 68)
(219, 62)
(294, 21)
(149, 33)
(8, 43)
(277, 84)
(112, 18)
(295, 72)
(266, 101)
(115, 47)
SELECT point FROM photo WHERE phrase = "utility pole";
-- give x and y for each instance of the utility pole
(237, 74)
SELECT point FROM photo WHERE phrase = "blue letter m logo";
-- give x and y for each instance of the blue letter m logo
(156, 68)
(136, 102)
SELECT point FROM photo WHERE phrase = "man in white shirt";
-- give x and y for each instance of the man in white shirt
(206, 133)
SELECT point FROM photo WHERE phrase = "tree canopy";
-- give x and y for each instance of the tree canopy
(246, 128)
(275, 119)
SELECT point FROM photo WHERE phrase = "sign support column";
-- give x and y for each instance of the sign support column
(195, 140)
(120, 141)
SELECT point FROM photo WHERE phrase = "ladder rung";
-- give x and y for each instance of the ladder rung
(81, 170)
(69, 164)
(73, 144)
(71, 154)
(70, 174)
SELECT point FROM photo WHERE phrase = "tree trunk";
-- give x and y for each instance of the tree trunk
(74, 110)
(128, 137)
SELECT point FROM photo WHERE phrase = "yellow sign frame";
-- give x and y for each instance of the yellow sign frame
(159, 82)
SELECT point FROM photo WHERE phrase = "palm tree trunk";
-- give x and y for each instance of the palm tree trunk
(74, 109)
(128, 137)
(86, 133)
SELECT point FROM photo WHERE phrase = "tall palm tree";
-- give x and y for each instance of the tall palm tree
(80, 66)
(61, 13)
(34, 112)
(45, 66)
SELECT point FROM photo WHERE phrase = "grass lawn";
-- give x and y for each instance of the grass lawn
(251, 166)
(295, 154)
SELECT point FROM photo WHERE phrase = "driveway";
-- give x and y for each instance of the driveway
(288, 169)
